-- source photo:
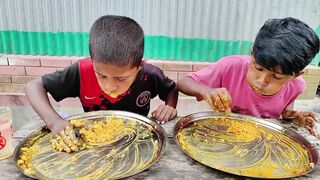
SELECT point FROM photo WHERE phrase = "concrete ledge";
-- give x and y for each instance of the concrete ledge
(20, 99)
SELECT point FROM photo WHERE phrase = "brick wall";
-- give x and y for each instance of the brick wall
(17, 70)
(312, 77)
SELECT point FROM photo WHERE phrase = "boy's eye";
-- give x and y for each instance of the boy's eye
(276, 77)
(121, 79)
(259, 68)
(102, 76)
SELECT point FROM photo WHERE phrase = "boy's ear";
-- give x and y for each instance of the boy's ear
(299, 73)
(141, 64)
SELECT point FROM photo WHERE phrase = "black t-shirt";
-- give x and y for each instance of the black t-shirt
(149, 83)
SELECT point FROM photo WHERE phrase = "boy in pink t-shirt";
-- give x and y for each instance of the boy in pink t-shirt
(266, 83)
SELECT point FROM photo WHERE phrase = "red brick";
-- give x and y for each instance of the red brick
(23, 56)
(23, 79)
(18, 97)
(311, 87)
(55, 58)
(60, 69)
(159, 63)
(55, 63)
(11, 87)
(71, 58)
(74, 61)
(311, 78)
(23, 62)
(77, 58)
(12, 70)
(172, 75)
(312, 70)
(182, 75)
(307, 95)
(39, 71)
(199, 65)
(5, 78)
(177, 66)
(3, 61)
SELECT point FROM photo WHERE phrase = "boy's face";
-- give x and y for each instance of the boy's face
(264, 81)
(113, 79)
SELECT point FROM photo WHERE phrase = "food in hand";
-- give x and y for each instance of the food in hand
(89, 134)
(214, 107)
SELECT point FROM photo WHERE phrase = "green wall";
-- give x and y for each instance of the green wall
(156, 47)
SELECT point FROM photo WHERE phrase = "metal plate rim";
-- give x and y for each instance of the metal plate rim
(205, 114)
(157, 128)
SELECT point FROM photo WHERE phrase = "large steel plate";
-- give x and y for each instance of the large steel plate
(245, 146)
(121, 160)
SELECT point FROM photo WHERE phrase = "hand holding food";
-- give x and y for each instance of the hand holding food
(79, 134)
(65, 140)
(218, 98)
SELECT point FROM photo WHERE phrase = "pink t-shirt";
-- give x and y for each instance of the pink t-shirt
(230, 73)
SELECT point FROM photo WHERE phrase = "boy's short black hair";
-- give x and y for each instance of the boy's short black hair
(116, 40)
(288, 43)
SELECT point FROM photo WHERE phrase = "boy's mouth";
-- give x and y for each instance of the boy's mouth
(111, 94)
(257, 90)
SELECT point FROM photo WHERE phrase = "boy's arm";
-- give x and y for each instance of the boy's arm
(172, 98)
(39, 100)
(218, 98)
(304, 119)
(189, 87)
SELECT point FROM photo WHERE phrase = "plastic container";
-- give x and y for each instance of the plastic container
(6, 133)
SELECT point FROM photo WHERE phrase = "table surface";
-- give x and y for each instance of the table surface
(174, 164)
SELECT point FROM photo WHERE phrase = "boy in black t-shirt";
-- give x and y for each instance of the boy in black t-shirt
(115, 78)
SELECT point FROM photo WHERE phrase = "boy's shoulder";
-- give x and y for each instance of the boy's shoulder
(154, 72)
(298, 84)
(243, 59)
(233, 62)
(151, 69)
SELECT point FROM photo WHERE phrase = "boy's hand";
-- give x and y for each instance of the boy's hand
(164, 113)
(218, 98)
(63, 137)
(57, 127)
(304, 119)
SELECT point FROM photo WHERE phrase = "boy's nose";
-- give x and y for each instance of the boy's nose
(110, 88)
(263, 79)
